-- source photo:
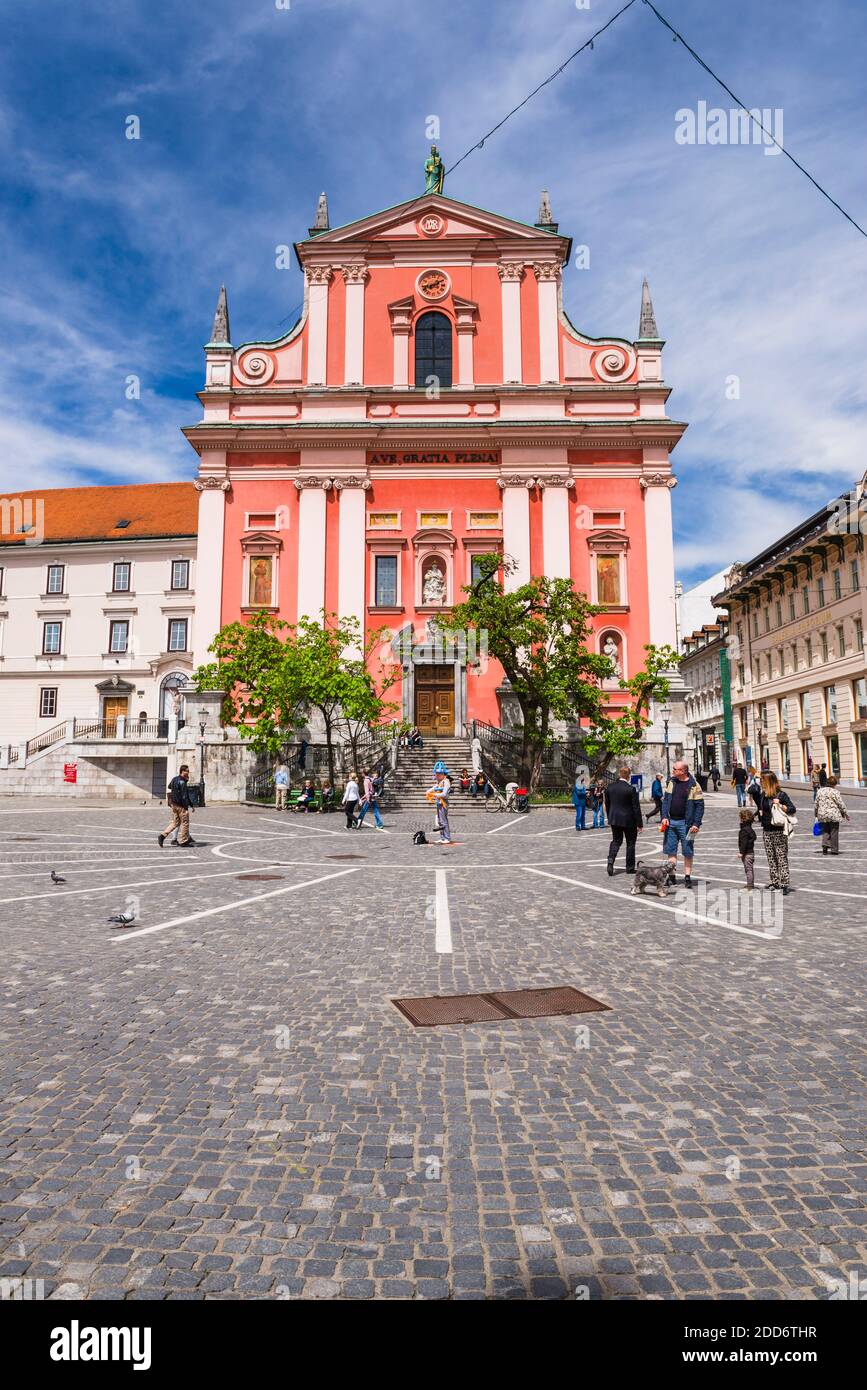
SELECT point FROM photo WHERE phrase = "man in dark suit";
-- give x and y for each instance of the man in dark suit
(624, 816)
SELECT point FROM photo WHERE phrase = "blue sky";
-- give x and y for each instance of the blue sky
(113, 250)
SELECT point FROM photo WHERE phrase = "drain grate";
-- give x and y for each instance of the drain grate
(346, 856)
(259, 878)
(438, 1009)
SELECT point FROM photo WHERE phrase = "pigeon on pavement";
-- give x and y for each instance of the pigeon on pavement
(55, 878)
(123, 919)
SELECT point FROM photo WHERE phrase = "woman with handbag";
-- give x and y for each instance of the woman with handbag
(830, 811)
(778, 816)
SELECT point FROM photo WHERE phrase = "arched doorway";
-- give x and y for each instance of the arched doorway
(172, 702)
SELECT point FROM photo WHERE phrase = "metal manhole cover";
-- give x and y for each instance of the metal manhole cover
(258, 878)
(435, 1010)
(346, 856)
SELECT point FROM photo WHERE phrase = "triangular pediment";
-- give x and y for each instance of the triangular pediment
(402, 222)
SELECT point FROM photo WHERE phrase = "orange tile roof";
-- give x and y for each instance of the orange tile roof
(92, 513)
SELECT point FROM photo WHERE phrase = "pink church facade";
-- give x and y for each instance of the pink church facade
(434, 403)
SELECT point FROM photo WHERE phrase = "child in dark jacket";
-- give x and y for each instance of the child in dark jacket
(747, 845)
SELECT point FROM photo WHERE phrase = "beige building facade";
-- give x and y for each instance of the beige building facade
(796, 650)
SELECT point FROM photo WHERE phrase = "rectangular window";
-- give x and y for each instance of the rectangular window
(180, 574)
(841, 642)
(859, 635)
(2, 574)
(118, 635)
(783, 715)
(120, 577)
(820, 592)
(805, 599)
(475, 569)
(48, 702)
(791, 607)
(54, 582)
(838, 584)
(823, 639)
(834, 755)
(859, 697)
(778, 613)
(740, 673)
(808, 653)
(830, 704)
(52, 634)
(177, 635)
(385, 581)
(755, 624)
(806, 719)
(853, 576)
(767, 620)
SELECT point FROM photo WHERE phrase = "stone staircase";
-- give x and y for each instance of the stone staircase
(407, 784)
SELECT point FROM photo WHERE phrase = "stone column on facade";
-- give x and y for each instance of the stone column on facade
(556, 557)
(355, 276)
(466, 314)
(547, 275)
(659, 541)
(318, 277)
(511, 274)
(516, 528)
(352, 549)
(311, 548)
(212, 489)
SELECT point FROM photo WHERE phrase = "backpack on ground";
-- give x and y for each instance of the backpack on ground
(419, 838)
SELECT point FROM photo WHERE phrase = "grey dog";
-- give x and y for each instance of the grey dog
(655, 875)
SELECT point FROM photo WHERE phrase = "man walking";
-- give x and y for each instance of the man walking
(180, 806)
(656, 798)
(281, 786)
(739, 782)
(682, 815)
(624, 816)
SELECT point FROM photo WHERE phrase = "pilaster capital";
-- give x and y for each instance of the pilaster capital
(318, 274)
(313, 481)
(657, 480)
(356, 273)
(511, 271)
(208, 484)
(546, 270)
(352, 481)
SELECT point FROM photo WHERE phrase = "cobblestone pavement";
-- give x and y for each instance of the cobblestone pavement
(223, 1102)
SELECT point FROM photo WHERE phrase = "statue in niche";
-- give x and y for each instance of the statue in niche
(434, 586)
(611, 649)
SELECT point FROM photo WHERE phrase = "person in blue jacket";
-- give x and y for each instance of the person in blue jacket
(579, 801)
(656, 798)
(682, 815)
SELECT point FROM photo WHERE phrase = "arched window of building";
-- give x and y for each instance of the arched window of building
(433, 350)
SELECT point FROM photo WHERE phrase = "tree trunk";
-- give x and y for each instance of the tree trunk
(329, 744)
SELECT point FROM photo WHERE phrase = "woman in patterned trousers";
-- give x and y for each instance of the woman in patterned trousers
(767, 795)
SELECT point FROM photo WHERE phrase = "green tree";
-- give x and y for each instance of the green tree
(539, 633)
(274, 672)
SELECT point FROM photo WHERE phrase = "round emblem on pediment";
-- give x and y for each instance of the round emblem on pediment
(433, 284)
(431, 224)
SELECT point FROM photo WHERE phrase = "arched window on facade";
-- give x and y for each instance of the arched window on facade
(433, 349)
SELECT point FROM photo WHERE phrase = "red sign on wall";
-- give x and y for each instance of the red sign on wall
(70, 772)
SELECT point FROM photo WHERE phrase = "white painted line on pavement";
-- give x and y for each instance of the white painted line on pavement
(657, 903)
(507, 825)
(140, 883)
(127, 935)
(443, 937)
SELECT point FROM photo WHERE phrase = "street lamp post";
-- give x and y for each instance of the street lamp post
(666, 715)
(203, 724)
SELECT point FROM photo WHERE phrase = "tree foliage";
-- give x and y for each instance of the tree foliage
(539, 633)
(275, 672)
